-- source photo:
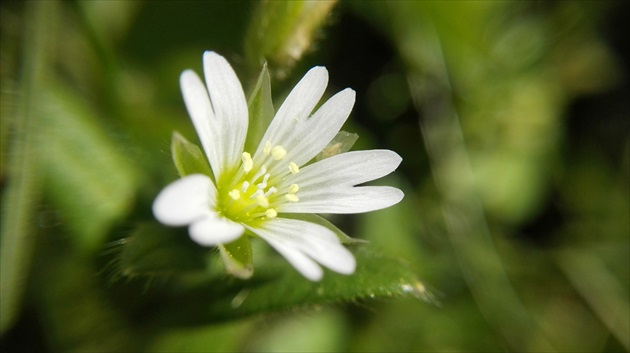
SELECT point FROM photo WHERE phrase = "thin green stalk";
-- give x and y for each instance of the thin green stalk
(23, 186)
(462, 209)
(601, 290)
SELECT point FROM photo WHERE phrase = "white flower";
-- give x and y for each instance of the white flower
(252, 190)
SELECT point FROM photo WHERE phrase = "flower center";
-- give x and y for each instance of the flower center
(254, 194)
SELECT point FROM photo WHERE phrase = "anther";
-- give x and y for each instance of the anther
(245, 186)
(278, 152)
(291, 197)
(235, 194)
(267, 148)
(248, 163)
(262, 201)
(293, 188)
(294, 168)
(271, 213)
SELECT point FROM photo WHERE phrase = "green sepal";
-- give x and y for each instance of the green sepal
(188, 157)
(317, 219)
(237, 257)
(153, 249)
(261, 110)
(342, 142)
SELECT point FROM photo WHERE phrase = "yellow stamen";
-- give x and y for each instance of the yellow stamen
(294, 168)
(235, 194)
(267, 148)
(248, 163)
(262, 201)
(293, 188)
(291, 197)
(278, 152)
(271, 213)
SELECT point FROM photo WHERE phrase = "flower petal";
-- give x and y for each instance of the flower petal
(296, 107)
(185, 200)
(304, 264)
(346, 169)
(212, 230)
(315, 133)
(356, 199)
(200, 110)
(229, 106)
(313, 240)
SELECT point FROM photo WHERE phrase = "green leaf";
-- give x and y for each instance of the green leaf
(342, 142)
(188, 157)
(237, 257)
(77, 310)
(153, 249)
(261, 110)
(276, 286)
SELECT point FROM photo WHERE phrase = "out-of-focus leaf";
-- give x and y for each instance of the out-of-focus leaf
(261, 110)
(23, 186)
(392, 229)
(342, 142)
(321, 331)
(223, 337)
(110, 20)
(280, 32)
(153, 249)
(237, 257)
(187, 157)
(87, 176)
(75, 309)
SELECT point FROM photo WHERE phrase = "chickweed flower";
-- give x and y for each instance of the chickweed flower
(262, 192)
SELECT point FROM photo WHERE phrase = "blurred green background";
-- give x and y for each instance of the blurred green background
(512, 119)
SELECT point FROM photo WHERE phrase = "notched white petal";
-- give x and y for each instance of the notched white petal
(213, 230)
(297, 106)
(185, 200)
(343, 200)
(200, 110)
(347, 169)
(315, 133)
(313, 240)
(302, 263)
(228, 103)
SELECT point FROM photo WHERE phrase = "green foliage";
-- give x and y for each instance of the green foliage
(510, 117)
(80, 156)
(154, 251)
(19, 199)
